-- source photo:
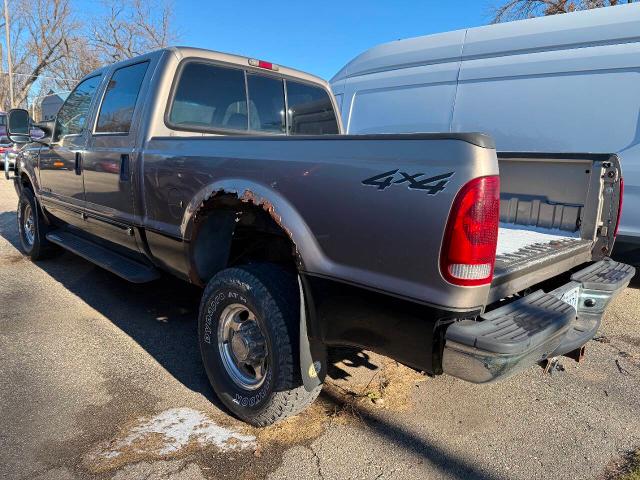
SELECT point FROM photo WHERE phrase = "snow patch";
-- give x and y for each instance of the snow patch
(174, 429)
(512, 238)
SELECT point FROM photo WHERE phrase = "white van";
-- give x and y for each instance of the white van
(565, 83)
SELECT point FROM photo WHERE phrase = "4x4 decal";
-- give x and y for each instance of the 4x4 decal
(431, 185)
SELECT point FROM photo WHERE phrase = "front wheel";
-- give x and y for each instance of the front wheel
(248, 331)
(31, 227)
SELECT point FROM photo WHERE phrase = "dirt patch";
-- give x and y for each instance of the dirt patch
(625, 468)
(629, 340)
(301, 429)
(172, 433)
(11, 259)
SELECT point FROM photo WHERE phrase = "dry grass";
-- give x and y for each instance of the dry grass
(633, 471)
(387, 387)
(304, 427)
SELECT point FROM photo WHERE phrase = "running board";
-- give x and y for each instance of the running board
(134, 272)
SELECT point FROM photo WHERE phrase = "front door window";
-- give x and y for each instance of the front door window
(72, 117)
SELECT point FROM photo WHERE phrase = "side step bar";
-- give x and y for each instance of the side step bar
(134, 272)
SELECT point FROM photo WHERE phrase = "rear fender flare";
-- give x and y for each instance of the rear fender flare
(308, 252)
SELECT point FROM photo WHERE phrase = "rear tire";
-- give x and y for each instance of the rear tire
(252, 359)
(32, 227)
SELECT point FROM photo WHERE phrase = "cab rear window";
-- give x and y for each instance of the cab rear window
(214, 98)
(310, 110)
(210, 97)
(266, 104)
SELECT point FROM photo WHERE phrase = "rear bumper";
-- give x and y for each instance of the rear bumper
(534, 328)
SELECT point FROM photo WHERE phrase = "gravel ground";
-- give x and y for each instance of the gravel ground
(102, 379)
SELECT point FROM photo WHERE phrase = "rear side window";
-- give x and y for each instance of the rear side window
(310, 110)
(210, 97)
(120, 99)
(266, 104)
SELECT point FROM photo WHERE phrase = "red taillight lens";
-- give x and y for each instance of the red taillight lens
(469, 249)
(615, 232)
(262, 64)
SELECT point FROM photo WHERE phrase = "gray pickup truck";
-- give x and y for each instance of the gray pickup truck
(231, 173)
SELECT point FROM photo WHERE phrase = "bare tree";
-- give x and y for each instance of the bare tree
(132, 27)
(53, 46)
(38, 31)
(80, 59)
(519, 9)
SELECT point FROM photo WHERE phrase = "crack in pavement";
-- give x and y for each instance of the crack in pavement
(317, 461)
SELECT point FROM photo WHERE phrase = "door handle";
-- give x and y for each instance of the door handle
(78, 167)
(124, 167)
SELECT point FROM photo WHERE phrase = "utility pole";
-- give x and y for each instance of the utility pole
(9, 61)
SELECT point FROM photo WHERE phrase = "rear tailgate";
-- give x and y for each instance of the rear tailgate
(557, 211)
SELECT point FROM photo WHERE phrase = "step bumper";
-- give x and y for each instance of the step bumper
(534, 328)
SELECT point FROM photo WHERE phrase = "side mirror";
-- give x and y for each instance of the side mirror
(18, 126)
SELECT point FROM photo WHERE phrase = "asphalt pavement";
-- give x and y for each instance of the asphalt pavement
(102, 379)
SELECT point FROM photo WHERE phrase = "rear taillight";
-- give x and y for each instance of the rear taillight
(469, 250)
(615, 232)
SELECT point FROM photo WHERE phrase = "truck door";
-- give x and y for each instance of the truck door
(110, 161)
(60, 164)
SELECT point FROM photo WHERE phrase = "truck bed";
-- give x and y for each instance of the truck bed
(550, 218)
(528, 255)
(517, 241)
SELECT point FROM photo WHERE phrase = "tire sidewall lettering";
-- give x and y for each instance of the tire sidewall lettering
(213, 310)
(225, 296)
(258, 398)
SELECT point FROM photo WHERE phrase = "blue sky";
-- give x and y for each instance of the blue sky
(317, 37)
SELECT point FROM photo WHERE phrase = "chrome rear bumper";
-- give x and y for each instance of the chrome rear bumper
(534, 328)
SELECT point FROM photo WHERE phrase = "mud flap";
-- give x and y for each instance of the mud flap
(313, 353)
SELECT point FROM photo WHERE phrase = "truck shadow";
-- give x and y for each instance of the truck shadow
(400, 436)
(161, 317)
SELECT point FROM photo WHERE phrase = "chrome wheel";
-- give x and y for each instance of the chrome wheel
(28, 225)
(242, 346)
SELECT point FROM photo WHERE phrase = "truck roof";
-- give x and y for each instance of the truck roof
(190, 52)
(185, 52)
(599, 26)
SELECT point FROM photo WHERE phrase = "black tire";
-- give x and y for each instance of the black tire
(34, 244)
(271, 294)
